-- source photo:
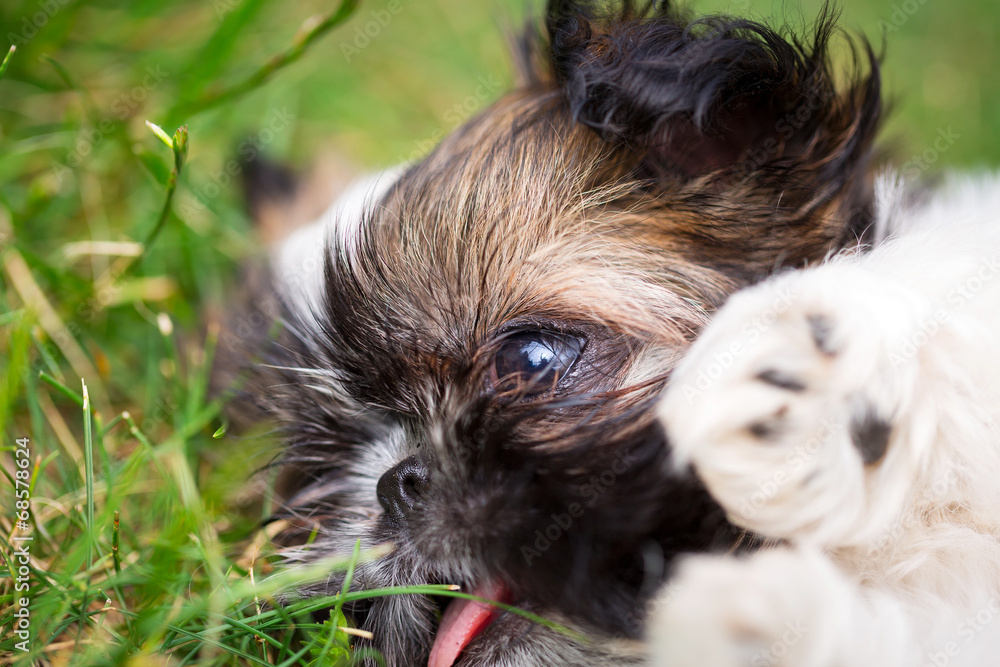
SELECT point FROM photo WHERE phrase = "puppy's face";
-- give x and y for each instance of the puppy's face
(475, 378)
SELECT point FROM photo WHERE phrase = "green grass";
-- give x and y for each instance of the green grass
(119, 246)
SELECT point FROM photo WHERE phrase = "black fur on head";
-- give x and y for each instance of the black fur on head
(631, 79)
(650, 166)
(719, 96)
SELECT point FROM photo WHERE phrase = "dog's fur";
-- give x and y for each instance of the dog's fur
(853, 411)
(649, 167)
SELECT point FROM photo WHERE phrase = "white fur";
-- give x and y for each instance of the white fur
(298, 261)
(892, 564)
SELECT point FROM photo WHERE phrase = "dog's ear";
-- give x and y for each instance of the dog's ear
(721, 96)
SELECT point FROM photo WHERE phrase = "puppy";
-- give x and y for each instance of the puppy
(474, 346)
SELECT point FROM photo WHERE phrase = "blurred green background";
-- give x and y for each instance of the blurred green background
(79, 166)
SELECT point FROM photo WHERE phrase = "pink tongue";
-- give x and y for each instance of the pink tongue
(462, 621)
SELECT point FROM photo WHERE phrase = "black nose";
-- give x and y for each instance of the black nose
(400, 488)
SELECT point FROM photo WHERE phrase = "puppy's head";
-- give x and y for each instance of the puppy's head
(471, 375)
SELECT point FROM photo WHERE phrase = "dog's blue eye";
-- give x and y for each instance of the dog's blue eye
(535, 361)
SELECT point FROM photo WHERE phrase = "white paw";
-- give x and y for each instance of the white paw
(788, 404)
(778, 608)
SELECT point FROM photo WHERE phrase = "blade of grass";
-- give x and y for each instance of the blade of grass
(120, 417)
(316, 604)
(163, 136)
(179, 145)
(217, 51)
(310, 605)
(312, 30)
(61, 388)
(88, 450)
(6, 61)
(61, 71)
(339, 608)
(88, 453)
(114, 544)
